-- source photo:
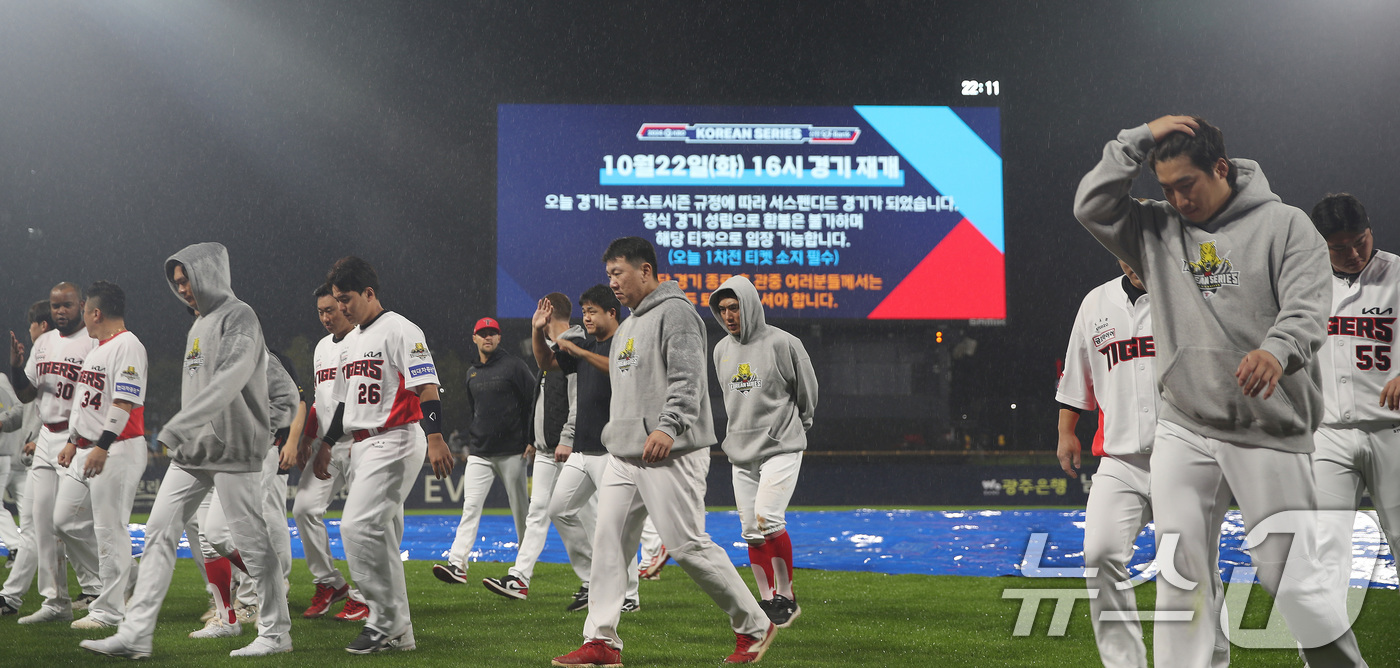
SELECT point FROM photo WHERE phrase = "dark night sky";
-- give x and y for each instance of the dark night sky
(298, 132)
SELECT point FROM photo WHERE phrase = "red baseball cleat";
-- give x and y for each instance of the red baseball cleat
(353, 611)
(323, 598)
(748, 649)
(593, 653)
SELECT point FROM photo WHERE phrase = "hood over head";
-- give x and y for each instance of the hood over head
(751, 319)
(206, 265)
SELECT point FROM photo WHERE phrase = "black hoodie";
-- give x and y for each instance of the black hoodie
(500, 393)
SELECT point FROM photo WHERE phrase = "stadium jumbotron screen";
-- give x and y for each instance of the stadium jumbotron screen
(864, 212)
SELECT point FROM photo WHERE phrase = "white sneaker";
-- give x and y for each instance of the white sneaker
(47, 614)
(216, 628)
(114, 646)
(263, 646)
(90, 623)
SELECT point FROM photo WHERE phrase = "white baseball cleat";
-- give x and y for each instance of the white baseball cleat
(216, 628)
(90, 623)
(264, 646)
(47, 614)
(114, 646)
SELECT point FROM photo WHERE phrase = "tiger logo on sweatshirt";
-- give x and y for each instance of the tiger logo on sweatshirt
(744, 380)
(628, 357)
(1211, 271)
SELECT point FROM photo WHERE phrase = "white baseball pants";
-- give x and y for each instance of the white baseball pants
(9, 531)
(383, 469)
(22, 571)
(1348, 462)
(54, 554)
(107, 498)
(672, 491)
(762, 491)
(574, 510)
(176, 505)
(547, 473)
(480, 472)
(309, 510)
(1188, 474)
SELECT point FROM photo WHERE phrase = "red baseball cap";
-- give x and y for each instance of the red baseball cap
(486, 323)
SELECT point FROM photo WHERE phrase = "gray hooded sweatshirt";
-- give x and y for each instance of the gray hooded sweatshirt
(766, 377)
(223, 423)
(659, 379)
(1256, 276)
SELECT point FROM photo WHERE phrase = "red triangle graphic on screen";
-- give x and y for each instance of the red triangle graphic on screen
(964, 276)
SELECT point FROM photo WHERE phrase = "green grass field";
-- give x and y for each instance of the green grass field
(848, 619)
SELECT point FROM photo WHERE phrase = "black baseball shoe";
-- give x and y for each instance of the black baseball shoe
(782, 611)
(631, 605)
(508, 586)
(450, 574)
(371, 641)
(580, 600)
(7, 608)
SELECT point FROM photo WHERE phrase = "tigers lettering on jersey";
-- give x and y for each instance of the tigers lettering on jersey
(66, 370)
(324, 375)
(372, 369)
(94, 397)
(96, 379)
(1376, 329)
(1128, 350)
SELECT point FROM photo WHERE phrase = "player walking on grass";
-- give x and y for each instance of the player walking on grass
(314, 494)
(24, 561)
(659, 434)
(499, 389)
(1358, 444)
(217, 440)
(552, 432)
(1239, 283)
(1110, 367)
(50, 377)
(106, 452)
(584, 358)
(388, 390)
(770, 395)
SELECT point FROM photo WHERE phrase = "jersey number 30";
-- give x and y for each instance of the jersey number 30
(369, 393)
(1373, 357)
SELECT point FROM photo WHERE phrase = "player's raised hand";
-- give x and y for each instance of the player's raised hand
(1259, 371)
(439, 456)
(543, 312)
(16, 350)
(1068, 452)
(1168, 124)
(1390, 395)
(321, 463)
(658, 446)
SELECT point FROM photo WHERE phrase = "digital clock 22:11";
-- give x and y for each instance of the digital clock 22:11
(981, 88)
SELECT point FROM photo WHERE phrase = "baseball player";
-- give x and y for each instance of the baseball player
(314, 494)
(770, 395)
(50, 376)
(499, 389)
(1110, 367)
(106, 452)
(552, 424)
(1239, 284)
(574, 505)
(217, 440)
(1358, 444)
(654, 556)
(659, 434)
(12, 439)
(23, 566)
(388, 401)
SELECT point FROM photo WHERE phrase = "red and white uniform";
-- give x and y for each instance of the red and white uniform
(1110, 365)
(380, 364)
(53, 369)
(116, 369)
(1358, 444)
(313, 494)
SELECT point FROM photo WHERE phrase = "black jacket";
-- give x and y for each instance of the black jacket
(499, 392)
(555, 387)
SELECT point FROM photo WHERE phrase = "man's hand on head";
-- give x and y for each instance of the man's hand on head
(1168, 124)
